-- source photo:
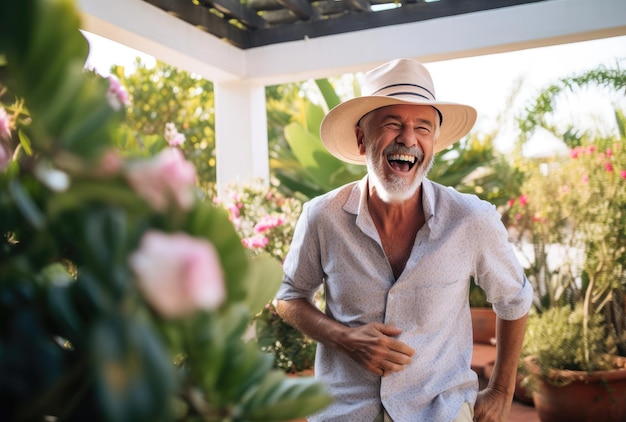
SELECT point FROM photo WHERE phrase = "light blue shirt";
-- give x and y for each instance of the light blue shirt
(336, 243)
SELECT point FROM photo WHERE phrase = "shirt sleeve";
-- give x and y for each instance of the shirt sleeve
(498, 270)
(303, 273)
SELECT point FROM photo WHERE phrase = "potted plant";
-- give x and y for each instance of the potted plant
(123, 295)
(483, 316)
(573, 210)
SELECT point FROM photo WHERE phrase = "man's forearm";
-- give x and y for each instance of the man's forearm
(509, 341)
(306, 317)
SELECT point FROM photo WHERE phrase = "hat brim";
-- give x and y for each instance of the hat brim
(338, 128)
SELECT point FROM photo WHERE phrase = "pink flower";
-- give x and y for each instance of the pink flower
(167, 176)
(110, 163)
(511, 202)
(608, 167)
(585, 179)
(172, 136)
(178, 274)
(234, 212)
(255, 242)
(575, 152)
(623, 174)
(609, 152)
(518, 216)
(5, 156)
(5, 124)
(117, 94)
(523, 200)
(565, 189)
(268, 222)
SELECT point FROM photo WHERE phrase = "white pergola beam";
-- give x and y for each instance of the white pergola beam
(494, 31)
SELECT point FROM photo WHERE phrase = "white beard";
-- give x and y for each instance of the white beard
(394, 189)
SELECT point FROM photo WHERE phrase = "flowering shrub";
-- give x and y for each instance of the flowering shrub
(123, 296)
(573, 213)
(263, 217)
(265, 220)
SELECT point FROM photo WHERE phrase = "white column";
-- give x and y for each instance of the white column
(240, 133)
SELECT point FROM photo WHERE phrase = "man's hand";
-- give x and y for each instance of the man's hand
(373, 346)
(492, 405)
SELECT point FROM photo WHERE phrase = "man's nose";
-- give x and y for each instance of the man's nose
(407, 137)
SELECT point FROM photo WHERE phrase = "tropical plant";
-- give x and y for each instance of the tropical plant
(306, 168)
(123, 296)
(572, 210)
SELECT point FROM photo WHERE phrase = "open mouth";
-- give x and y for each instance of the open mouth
(401, 162)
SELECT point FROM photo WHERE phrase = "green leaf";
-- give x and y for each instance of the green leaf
(134, 377)
(328, 92)
(212, 224)
(311, 154)
(26, 205)
(25, 142)
(262, 282)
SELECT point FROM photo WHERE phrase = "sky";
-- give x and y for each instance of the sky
(485, 82)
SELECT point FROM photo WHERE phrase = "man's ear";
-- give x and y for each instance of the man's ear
(359, 139)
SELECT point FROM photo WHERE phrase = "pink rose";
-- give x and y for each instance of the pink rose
(5, 124)
(178, 274)
(511, 202)
(268, 222)
(608, 167)
(623, 174)
(167, 176)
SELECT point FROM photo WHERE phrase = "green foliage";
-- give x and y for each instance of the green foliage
(555, 340)
(80, 337)
(265, 220)
(572, 210)
(163, 94)
(293, 352)
(539, 111)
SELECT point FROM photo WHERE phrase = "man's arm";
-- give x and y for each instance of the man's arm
(493, 404)
(372, 345)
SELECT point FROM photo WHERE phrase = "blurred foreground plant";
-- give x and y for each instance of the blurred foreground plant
(123, 296)
(266, 219)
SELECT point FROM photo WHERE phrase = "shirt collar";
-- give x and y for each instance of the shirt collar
(357, 200)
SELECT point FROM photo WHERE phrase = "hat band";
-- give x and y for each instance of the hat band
(379, 91)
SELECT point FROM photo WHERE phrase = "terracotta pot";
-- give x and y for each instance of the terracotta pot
(521, 394)
(483, 325)
(589, 397)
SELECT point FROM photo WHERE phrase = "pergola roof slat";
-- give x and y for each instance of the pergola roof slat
(265, 22)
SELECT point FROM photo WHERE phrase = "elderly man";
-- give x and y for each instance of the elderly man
(395, 253)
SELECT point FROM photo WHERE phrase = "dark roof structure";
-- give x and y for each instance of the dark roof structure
(255, 23)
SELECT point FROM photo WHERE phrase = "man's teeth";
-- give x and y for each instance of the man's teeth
(402, 157)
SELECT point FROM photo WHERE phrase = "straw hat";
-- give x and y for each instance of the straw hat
(401, 81)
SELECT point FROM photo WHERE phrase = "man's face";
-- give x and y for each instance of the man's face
(398, 143)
